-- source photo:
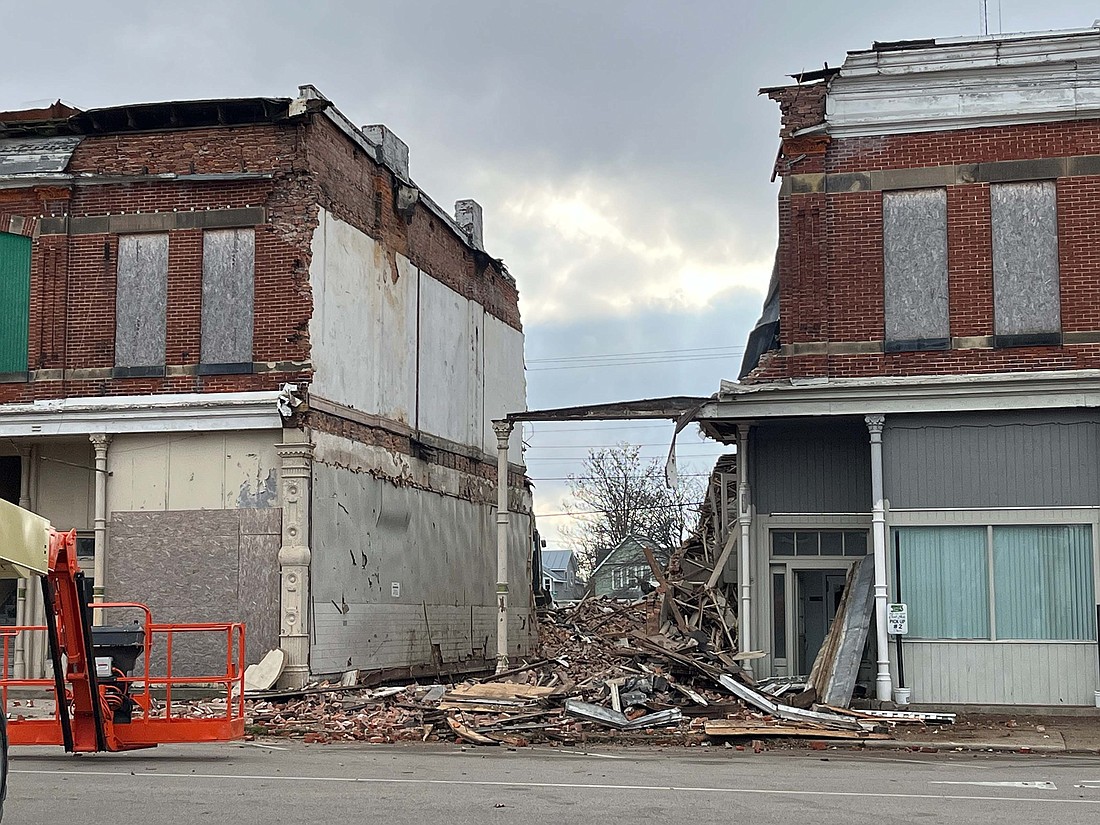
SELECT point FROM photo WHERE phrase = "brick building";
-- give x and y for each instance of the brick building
(256, 367)
(923, 384)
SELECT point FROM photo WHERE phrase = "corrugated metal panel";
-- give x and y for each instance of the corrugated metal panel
(1040, 459)
(368, 533)
(36, 156)
(1001, 673)
(15, 290)
(819, 467)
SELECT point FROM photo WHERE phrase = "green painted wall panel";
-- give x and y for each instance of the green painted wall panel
(15, 292)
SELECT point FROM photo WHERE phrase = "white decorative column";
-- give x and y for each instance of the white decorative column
(503, 429)
(883, 682)
(100, 443)
(744, 522)
(19, 662)
(295, 472)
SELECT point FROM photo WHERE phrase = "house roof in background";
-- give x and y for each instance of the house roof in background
(556, 559)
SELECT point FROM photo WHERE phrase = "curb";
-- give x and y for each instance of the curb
(1000, 747)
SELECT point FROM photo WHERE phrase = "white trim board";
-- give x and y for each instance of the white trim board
(182, 412)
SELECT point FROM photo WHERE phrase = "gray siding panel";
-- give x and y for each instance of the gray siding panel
(811, 467)
(997, 460)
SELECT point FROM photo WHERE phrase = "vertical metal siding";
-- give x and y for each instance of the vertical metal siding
(15, 291)
(1001, 673)
(813, 467)
(1024, 459)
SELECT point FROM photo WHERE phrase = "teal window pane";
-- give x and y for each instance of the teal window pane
(1042, 582)
(945, 581)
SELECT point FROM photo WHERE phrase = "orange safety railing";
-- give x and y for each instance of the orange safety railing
(159, 717)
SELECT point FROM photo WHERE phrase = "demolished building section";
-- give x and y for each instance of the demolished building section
(255, 366)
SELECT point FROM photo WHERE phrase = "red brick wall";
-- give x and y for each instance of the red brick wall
(359, 192)
(310, 164)
(831, 261)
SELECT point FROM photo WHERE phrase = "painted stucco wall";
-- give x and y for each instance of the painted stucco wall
(390, 340)
(193, 471)
(65, 483)
(380, 519)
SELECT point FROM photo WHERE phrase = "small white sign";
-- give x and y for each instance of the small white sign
(897, 619)
(395, 589)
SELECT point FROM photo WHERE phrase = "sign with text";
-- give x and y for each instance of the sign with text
(897, 619)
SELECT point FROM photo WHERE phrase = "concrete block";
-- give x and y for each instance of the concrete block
(395, 152)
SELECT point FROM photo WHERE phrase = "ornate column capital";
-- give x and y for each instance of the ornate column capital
(875, 423)
(503, 428)
(100, 441)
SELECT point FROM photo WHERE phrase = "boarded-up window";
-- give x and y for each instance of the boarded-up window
(15, 285)
(914, 239)
(1026, 302)
(141, 304)
(228, 267)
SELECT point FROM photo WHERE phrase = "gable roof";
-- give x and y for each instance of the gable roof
(556, 559)
(633, 546)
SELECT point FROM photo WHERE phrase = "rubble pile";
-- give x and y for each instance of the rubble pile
(606, 671)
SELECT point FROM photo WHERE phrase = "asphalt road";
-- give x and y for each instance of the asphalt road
(293, 783)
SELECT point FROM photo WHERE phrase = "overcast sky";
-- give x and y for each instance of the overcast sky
(619, 149)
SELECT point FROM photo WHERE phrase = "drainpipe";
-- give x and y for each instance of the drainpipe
(19, 664)
(100, 442)
(883, 685)
(503, 429)
(744, 520)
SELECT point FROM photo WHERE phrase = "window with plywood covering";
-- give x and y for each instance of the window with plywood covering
(141, 305)
(1027, 309)
(914, 240)
(228, 277)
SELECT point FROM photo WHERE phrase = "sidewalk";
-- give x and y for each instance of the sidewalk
(1015, 734)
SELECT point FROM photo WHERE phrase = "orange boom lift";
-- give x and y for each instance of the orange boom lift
(101, 704)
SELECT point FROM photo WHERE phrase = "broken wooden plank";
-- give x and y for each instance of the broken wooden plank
(498, 690)
(662, 587)
(469, 734)
(733, 727)
(720, 565)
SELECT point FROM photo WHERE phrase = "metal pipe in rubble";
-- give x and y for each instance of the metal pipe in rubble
(503, 430)
(883, 685)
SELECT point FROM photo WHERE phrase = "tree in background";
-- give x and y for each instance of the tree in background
(619, 494)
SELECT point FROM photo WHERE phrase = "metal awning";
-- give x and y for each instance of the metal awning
(36, 156)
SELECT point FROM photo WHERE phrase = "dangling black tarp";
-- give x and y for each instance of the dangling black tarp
(765, 335)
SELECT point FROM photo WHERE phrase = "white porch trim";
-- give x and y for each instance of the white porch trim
(182, 412)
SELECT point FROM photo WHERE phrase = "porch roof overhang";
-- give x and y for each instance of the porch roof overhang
(178, 412)
(1055, 389)
(672, 408)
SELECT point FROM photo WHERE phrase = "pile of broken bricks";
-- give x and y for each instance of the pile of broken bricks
(607, 671)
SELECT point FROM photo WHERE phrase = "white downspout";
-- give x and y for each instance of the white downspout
(503, 429)
(744, 521)
(883, 682)
(100, 442)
